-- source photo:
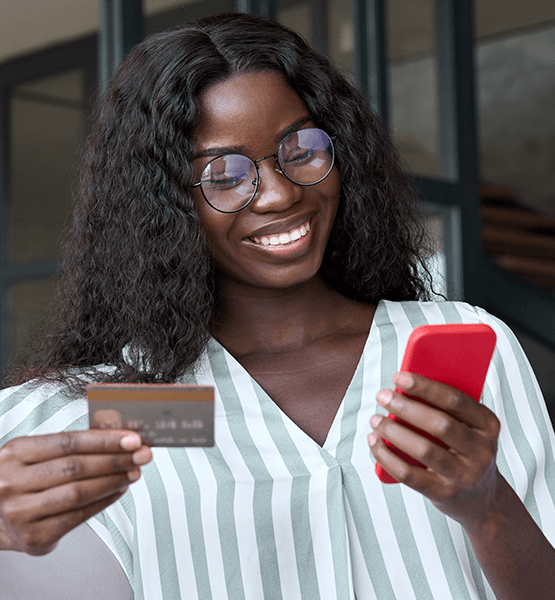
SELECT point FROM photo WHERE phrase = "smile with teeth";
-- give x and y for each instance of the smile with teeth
(281, 239)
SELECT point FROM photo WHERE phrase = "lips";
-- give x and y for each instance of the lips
(283, 238)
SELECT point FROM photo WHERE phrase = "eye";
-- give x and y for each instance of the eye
(222, 181)
(299, 156)
(226, 172)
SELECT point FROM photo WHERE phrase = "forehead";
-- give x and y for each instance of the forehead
(249, 109)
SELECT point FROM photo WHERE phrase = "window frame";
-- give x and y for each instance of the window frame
(81, 54)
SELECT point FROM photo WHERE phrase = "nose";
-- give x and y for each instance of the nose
(275, 192)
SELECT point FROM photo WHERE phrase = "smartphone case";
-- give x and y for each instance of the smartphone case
(457, 355)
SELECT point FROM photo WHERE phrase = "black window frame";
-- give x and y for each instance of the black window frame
(80, 54)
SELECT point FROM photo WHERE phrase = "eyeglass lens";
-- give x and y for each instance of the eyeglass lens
(229, 182)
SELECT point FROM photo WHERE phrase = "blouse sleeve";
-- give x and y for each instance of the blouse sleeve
(526, 454)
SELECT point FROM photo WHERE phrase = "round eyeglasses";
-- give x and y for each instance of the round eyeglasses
(230, 182)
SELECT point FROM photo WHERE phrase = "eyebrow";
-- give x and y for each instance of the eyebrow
(221, 150)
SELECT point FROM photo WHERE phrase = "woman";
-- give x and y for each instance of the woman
(243, 221)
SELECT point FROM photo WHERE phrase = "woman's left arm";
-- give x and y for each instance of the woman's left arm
(463, 482)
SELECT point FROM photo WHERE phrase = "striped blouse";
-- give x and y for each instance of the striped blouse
(268, 514)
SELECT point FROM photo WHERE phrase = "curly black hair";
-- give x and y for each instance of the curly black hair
(136, 270)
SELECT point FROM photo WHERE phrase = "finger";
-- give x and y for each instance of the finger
(415, 477)
(42, 536)
(64, 498)
(416, 446)
(39, 448)
(439, 424)
(447, 399)
(56, 472)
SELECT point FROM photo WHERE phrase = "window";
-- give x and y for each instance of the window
(46, 98)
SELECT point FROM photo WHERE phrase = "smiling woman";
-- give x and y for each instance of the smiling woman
(243, 222)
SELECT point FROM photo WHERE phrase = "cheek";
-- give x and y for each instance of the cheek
(216, 234)
(199, 203)
(334, 191)
(207, 215)
(216, 226)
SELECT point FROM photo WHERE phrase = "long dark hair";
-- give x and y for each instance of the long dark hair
(136, 271)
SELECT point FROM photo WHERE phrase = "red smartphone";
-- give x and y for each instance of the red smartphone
(456, 355)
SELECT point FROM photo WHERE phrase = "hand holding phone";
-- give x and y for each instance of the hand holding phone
(456, 355)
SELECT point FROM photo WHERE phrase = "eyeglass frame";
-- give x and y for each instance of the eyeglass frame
(255, 163)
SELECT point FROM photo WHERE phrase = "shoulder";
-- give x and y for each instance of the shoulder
(433, 313)
(401, 318)
(37, 391)
(415, 313)
(33, 392)
(38, 407)
(509, 363)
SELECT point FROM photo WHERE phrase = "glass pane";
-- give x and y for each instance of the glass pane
(156, 6)
(30, 301)
(341, 37)
(161, 14)
(326, 25)
(515, 90)
(45, 135)
(297, 16)
(413, 84)
(437, 264)
(543, 362)
(443, 224)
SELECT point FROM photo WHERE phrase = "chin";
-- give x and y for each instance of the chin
(288, 280)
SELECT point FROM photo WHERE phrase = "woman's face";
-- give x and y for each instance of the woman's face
(250, 114)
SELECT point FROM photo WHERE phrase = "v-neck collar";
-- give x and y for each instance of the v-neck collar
(267, 404)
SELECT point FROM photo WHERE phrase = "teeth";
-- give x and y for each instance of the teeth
(283, 238)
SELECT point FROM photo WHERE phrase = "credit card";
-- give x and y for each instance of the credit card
(170, 415)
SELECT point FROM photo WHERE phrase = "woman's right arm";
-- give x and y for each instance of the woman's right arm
(49, 484)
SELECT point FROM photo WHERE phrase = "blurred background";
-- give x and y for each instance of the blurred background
(466, 88)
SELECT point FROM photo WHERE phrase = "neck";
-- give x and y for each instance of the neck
(254, 320)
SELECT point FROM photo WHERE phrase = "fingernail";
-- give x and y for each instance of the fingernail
(130, 442)
(142, 456)
(384, 397)
(134, 475)
(404, 380)
(372, 439)
(376, 420)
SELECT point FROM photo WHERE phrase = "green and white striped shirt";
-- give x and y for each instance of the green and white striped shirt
(268, 514)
